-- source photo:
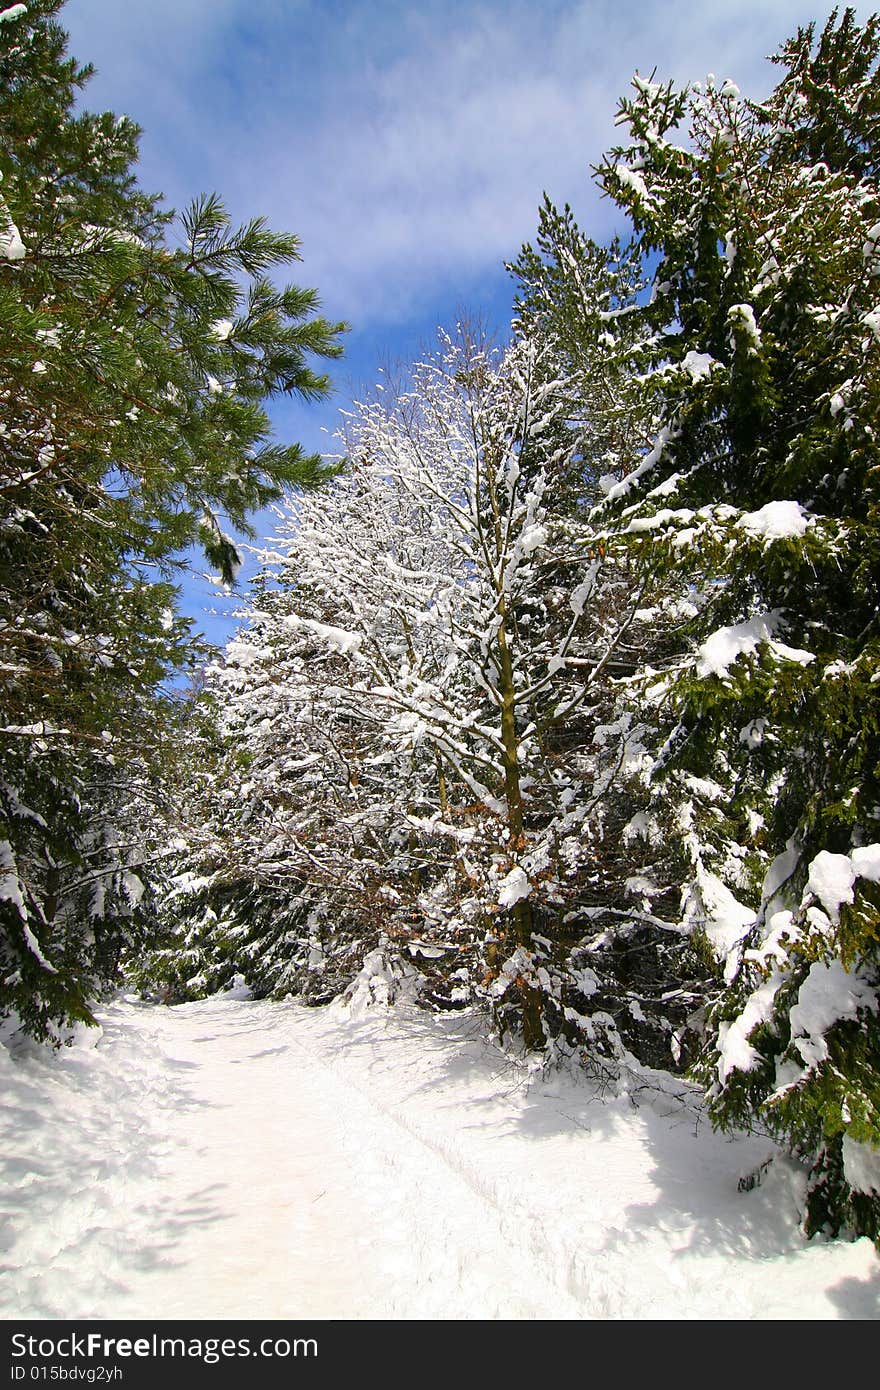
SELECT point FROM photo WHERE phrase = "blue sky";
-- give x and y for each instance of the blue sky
(407, 144)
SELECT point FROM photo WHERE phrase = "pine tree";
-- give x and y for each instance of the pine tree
(582, 303)
(761, 489)
(137, 352)
(579, 300)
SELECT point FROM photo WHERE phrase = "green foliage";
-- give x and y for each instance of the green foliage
(761, 492)
(583, 303)
(578, 300)
(137, 353)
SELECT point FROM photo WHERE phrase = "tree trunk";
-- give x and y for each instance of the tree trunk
(532, 1008)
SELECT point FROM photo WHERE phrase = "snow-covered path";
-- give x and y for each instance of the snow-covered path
(259, 1160)
(310, 1203)
(245, 1179)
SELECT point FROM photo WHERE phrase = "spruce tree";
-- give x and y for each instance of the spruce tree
(582, 303)
(761, 489)
(137, 350)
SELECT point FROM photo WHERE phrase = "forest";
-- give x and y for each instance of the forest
(557, 696)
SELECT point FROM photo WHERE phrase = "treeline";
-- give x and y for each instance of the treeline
(562, 698)
(136, 351)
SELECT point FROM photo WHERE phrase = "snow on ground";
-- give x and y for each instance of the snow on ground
(249, 1159)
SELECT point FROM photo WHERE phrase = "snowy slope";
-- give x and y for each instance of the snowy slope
(238, 1158)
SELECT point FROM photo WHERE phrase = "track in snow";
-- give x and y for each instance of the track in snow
(259, 1184)
(239, 1159)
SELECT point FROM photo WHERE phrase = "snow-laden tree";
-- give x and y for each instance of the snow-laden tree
(580, 301)
(760, 490)
(583, 303)
(420, 723)
(136, 351)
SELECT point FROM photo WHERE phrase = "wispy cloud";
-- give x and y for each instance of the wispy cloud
(407, 144)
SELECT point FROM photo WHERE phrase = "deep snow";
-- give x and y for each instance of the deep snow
(251, 1159)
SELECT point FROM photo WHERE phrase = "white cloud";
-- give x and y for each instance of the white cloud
(408, 145)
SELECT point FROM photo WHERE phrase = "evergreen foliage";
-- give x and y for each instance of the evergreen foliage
(137, 351)
(761, 491)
